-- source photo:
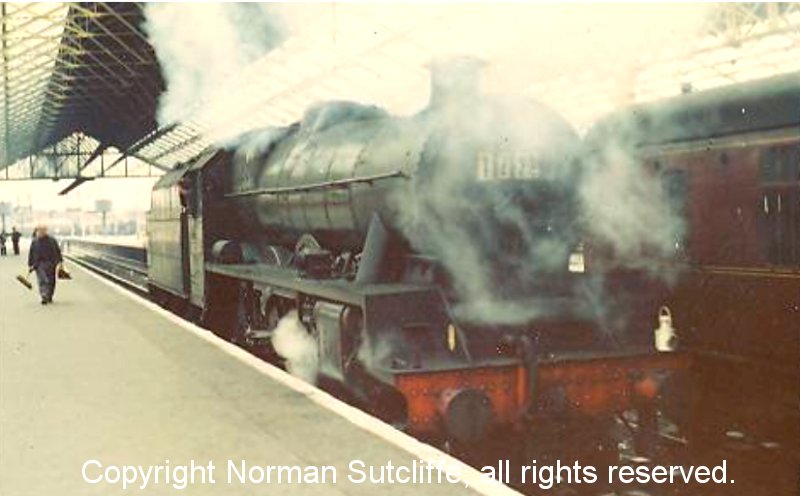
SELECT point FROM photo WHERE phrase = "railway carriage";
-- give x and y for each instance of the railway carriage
(732, 159)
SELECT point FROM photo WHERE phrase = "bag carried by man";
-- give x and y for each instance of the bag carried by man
(62, 272)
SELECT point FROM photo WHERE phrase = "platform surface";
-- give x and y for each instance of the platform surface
(97, 375)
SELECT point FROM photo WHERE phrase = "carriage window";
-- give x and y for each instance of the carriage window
(780, 164)
(676, 187)
(780, 205)
(186, 194)
(768, 167)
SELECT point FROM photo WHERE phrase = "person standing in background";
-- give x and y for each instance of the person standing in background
(15, 235)
(44, 258)
(3, 237)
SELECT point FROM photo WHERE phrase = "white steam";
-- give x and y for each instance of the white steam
(233, 67)
(508, 234)
(374, 54)
(292, 342)
(627, 208)
(201, 46)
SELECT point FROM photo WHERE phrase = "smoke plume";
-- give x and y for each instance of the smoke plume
(292, 342)
(492, 200)
(375, 53)
(505, 193)
(527, 234)
(627, 207)
(200, 46)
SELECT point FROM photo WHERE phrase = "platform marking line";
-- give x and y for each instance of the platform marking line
(469, 475)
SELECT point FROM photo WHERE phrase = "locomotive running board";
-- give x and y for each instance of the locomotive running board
(340, 290)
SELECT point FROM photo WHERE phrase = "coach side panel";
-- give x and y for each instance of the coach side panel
(742, 295)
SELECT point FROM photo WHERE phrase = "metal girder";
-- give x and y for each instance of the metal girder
(117, 37)
(74, 184)
(78, 157)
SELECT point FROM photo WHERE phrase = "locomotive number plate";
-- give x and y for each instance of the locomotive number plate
(502, 166)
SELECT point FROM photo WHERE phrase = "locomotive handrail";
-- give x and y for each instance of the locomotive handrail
(338, 183)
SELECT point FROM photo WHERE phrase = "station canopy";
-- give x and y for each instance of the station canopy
(74, 68)
(88, 73)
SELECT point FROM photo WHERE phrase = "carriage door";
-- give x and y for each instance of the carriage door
(780, 184)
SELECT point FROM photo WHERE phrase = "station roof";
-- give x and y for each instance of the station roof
(89, 67)
(74, 67)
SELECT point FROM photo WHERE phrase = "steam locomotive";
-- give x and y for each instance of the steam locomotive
(437, 264)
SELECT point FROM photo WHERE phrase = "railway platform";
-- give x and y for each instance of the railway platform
(105, 377)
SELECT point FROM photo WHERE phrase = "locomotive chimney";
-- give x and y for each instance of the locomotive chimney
(455, 80)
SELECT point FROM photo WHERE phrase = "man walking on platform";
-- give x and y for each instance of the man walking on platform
(44, 258)
(15, 235)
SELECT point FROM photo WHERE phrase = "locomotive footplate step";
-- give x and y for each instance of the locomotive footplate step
(100, 387)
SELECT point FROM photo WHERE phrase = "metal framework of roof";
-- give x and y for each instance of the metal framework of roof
(85, 73)
(78, 156)
(74, 68)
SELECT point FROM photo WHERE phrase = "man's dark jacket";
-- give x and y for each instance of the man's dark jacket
(44, 250)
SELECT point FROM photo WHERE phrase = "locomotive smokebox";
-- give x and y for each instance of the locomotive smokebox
(455, 80)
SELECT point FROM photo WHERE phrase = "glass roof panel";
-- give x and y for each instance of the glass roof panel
(31, 38)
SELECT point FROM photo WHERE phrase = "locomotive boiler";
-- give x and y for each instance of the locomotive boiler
(433, 264)
(489, 179)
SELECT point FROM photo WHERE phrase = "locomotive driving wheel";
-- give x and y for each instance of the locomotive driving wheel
(268, 311)
(246, 316)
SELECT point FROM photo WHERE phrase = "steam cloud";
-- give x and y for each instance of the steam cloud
(292, 342)
(605, 197)
(628, 208)
(200, 46)
(476, 229)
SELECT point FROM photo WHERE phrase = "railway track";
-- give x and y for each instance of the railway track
(126, 265)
